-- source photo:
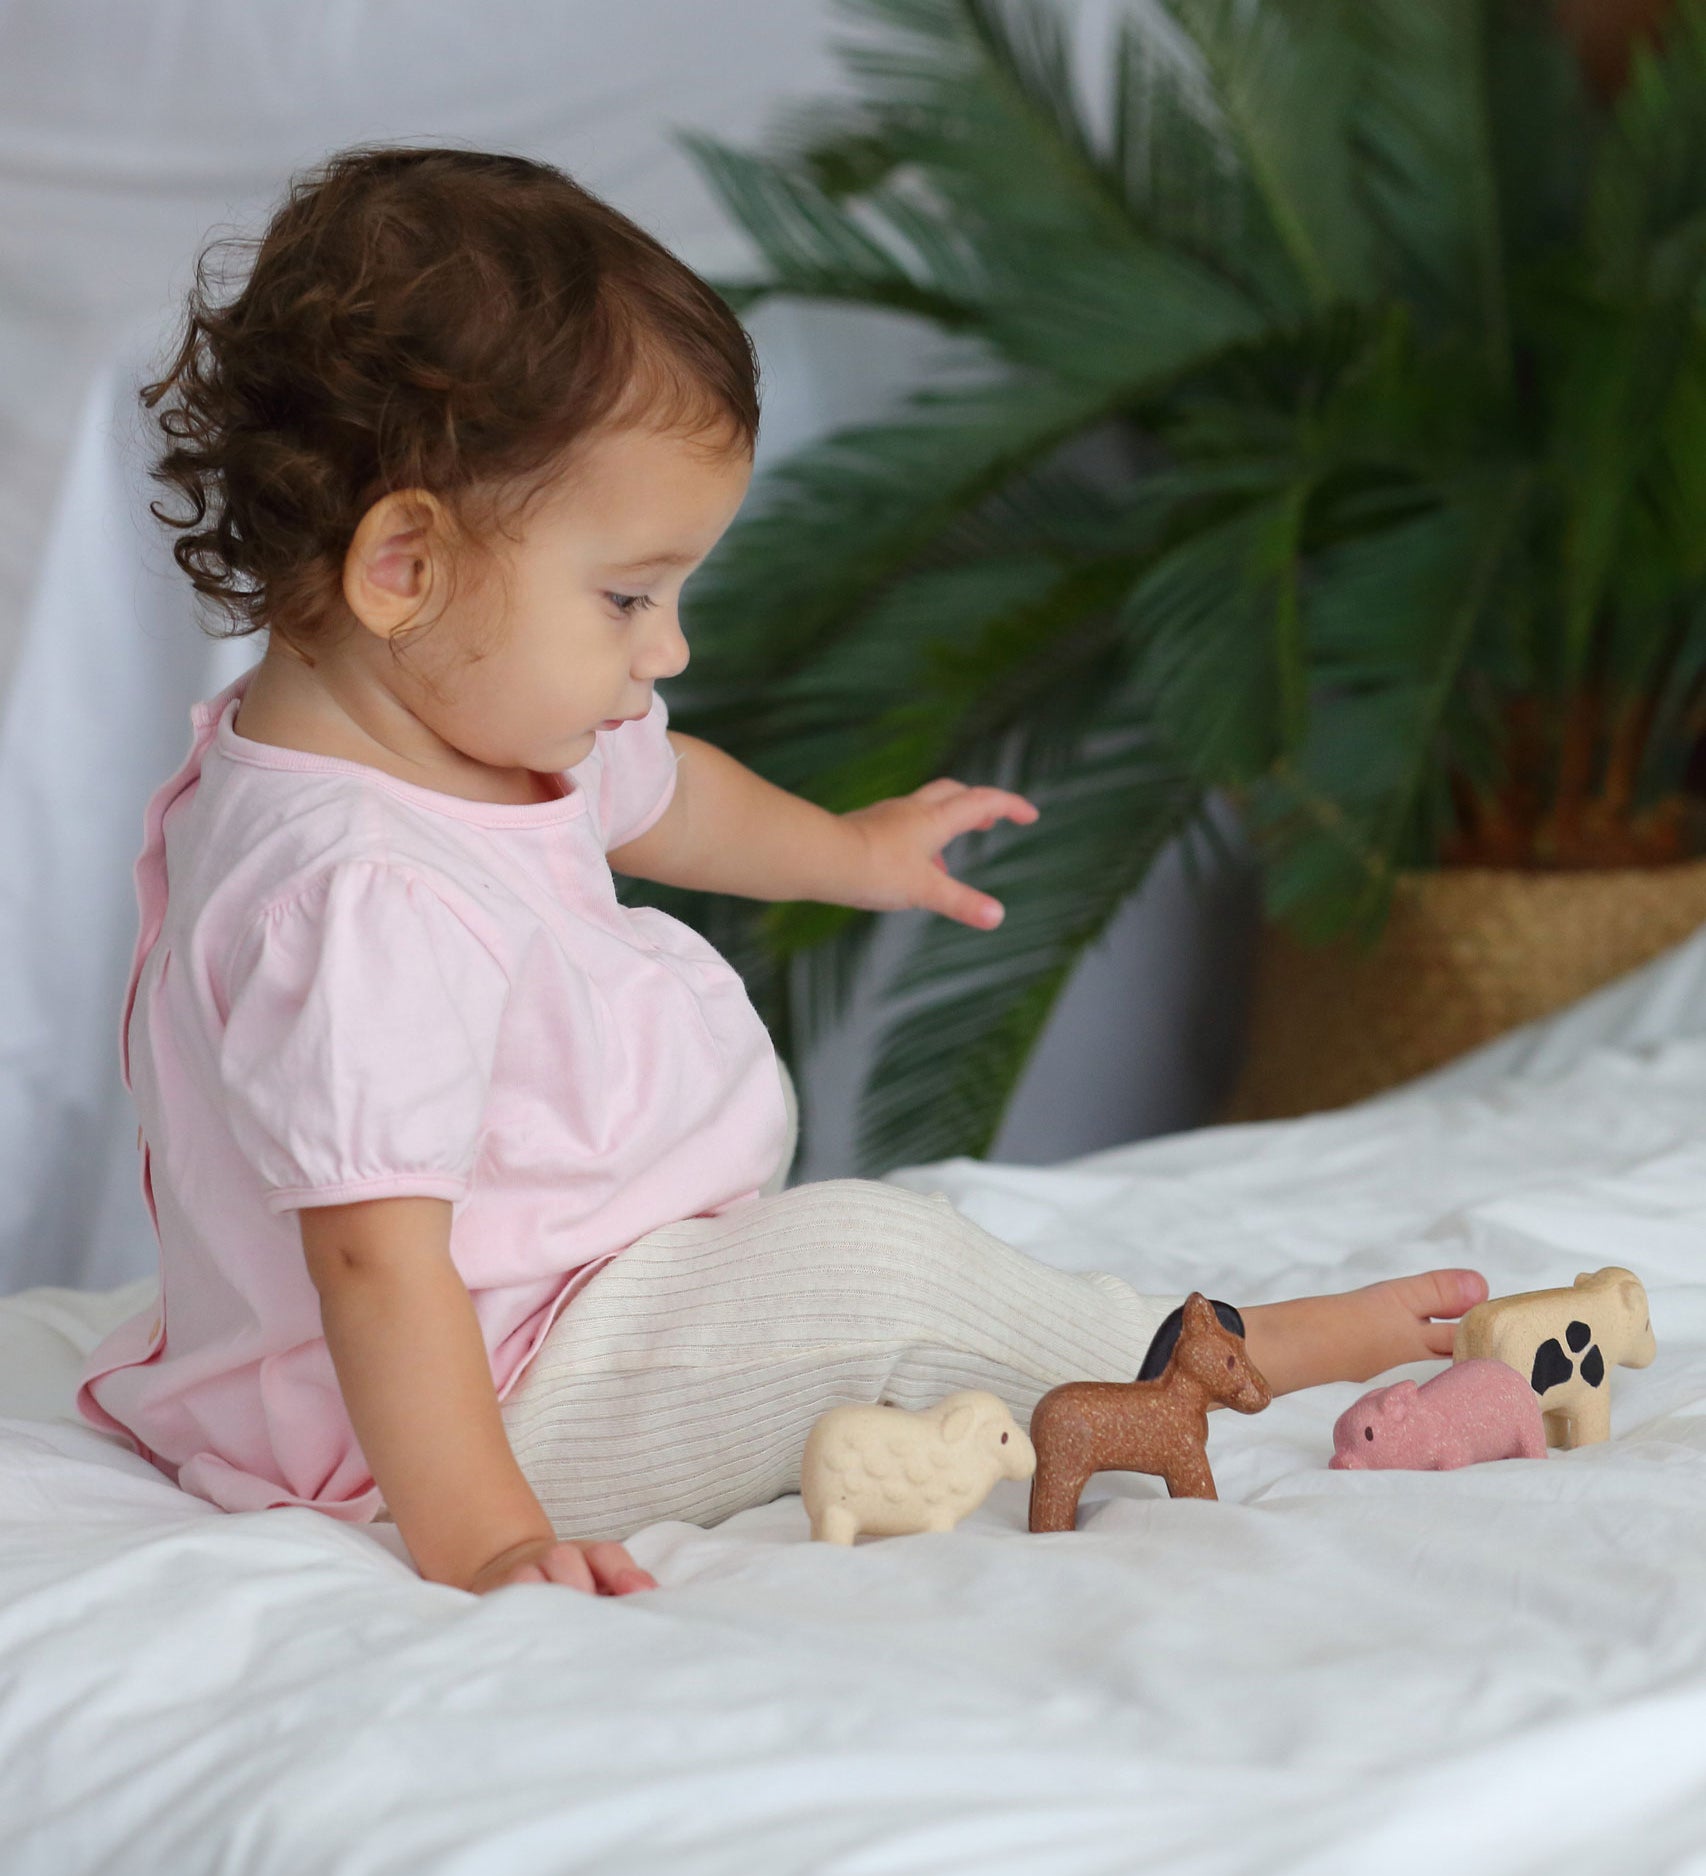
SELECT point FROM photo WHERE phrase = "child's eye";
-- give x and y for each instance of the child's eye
(630, 603)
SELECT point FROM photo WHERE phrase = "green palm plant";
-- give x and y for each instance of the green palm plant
(1330, 436)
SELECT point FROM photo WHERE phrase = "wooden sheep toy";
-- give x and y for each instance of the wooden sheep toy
(887, 1471)
(1159, 1426)
(1566, 1342)
(1471, 1411)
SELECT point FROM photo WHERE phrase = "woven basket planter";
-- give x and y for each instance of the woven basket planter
(1467, 954)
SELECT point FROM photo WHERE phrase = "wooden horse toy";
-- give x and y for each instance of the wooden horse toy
(1158, 1426)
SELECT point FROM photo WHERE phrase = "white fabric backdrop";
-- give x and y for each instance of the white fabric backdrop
(128, 132)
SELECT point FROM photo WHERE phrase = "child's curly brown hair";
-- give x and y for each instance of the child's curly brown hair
(446, 319)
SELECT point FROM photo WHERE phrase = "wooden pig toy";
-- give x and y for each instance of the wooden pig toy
(887, 1471)
(1471, 1411)
(1157, 1426)
(1566, 1342)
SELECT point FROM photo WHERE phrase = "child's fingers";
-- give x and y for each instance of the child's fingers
(1439, 1336)
(983, 807)
(954, 899)
(615, 1572)
(943, 788)
(965, 808)
(563, 1563)
(1457, 1291)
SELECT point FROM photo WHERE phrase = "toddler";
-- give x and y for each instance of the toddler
(467, 1179)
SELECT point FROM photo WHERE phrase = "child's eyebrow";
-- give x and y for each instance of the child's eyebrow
(653, 560)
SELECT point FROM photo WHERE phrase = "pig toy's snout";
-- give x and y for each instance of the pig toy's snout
(1344, 1462)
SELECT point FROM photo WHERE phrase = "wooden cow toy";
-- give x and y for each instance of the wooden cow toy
(1566, 1342)
(1156, 1426)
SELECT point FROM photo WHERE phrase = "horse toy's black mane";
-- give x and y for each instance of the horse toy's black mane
(1167, 1336)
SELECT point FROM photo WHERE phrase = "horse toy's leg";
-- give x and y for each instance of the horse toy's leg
(1188, 1476)
(1054, 1500)
(1058, 1484)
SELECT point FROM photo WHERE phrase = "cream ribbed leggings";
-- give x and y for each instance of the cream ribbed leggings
(683, 1380)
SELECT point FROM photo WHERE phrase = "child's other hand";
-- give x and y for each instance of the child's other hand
(603, 1569)
(904, 839)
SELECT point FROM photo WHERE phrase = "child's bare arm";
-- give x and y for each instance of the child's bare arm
(417, 1384)
(728, 830)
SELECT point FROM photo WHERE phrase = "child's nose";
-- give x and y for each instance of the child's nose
(669, 652)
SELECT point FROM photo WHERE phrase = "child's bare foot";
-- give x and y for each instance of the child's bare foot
(1360, 1333)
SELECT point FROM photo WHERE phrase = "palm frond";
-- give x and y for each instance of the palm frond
(1328, 398)
(838, 521)
(845, 517)
(1678, 707)
(1366, 793)
(835, 144)
(1223, 593)
(970, 1004)
(1617, 379)
(953, 657)
(1426, 124)
(1285, 79)
(1646, 218)
(1180, 176)
(815, 247)
(1040, 651)
(978, 95)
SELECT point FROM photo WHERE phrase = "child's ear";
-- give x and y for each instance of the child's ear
(396, 562)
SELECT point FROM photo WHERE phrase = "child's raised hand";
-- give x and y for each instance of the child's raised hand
(603, 1569)
(904, 840)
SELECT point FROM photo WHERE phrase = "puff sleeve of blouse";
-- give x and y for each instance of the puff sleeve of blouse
(357, 1053)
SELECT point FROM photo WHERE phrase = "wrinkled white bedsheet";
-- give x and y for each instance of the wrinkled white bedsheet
(1500, 1669)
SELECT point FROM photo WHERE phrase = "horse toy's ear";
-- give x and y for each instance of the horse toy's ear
(1195, 1314)
(1166, 1338)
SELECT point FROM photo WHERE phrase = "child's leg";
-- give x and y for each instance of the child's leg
(683, 1380)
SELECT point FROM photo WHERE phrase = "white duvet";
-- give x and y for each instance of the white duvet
(1498, 1669)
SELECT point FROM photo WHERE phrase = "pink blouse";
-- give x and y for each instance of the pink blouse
(346, 987)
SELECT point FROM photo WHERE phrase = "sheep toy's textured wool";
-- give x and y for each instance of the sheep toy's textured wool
(1472, 1411)
(888, 1472)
